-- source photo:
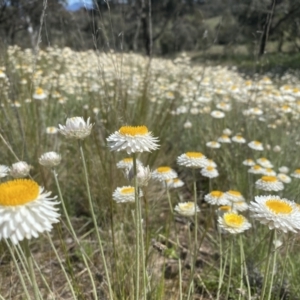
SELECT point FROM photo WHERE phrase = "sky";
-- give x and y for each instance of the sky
(80, 1)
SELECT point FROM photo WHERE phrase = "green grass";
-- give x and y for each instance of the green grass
(127, 90)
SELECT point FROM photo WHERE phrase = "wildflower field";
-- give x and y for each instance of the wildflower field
(124, 177)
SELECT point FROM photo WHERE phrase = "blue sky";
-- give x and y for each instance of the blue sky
(80, 1)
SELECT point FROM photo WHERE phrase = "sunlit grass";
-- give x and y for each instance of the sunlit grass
(180, 256)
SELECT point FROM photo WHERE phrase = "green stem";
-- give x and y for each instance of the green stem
(31, 269)
(266, 274)
(221, 265)
(18, 269)
(94, 220)
(137, 232)
(284, 266)
(191, 289)
(230, 267)
(273, 269)
(71, 228)
(244, 265)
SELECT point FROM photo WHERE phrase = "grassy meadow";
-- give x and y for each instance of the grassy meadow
(147, 249)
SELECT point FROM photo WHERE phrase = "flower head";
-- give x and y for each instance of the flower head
(20, 169)
(143, 175)
(269, 183)
(174, 183)
(224, 139)
(213, 144)
(192, 160)
(255, 145)
(234, 223)
(50, 159)
(209, 172)
(256, 169)
(239, 206)
(127, 163)
(39, 94)
(238, 139)
(216, 198)
(164, 173)
(132, 139)
(25, 210)
(124, 194)
(186, 208)
(234, 196)
(276, 213)
(284, 178)
(76, 128)
(296, 173)
(248, 162)
(264, 162)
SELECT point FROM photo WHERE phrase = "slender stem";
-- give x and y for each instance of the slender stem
(94, 220)
(243, 262)
(82, 252)
(169, 198)
(62, 267)
(284, 266)
(31, 269)
(221, 266)
(273, 269)
(230, 267)
(18, 269)
(266, 274)
(137, 232)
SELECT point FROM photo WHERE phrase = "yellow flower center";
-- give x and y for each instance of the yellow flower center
(39, 91)
(234, 193)
(279, 206)
(163, 169)
(224, 136)
(225, 208)
(194, 154)
(256, 167)
(296, 90)
(18, 192)
(187, 205)
(127, 190)
(263, 159)
(127, 160)
(269, 178)
(238, 137)
(133, 130)
(257, 143)
(233, 220)
(210, 168)
(217, 194)
(176, 180)
(297, 171)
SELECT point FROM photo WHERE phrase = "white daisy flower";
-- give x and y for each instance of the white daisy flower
(192, 160)
(284, 178)
(217, 114)
(76, 128)
(174, 183)
(249, 162)
(224, 139)
(19, 169)
(187, 209)
(164, 173)
(283, 169)
(213, 144)
(234, 196)
(238, 139)
(296, 173)
(127, 163)
(269, 183)
(124, 194)
(256, 169)
(265, 163)
(256, 145)
(25, 210)
(50, 159)
(276, 213)
(239, 206)
(216, 198)
(209, 172)
(234, 223)
(132, 139)
(39, 94)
